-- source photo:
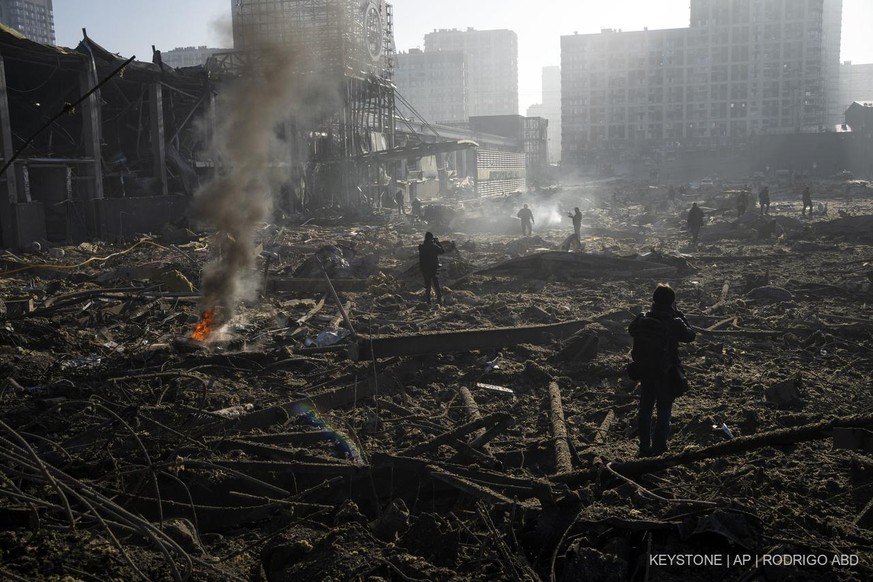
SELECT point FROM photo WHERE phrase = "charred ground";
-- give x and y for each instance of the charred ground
(129, 449)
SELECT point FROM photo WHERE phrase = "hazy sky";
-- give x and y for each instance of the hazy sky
(130, 27)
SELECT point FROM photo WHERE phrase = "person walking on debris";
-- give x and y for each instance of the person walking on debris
(764, 200)
(695, 221)
(429, 263)
(577, 223)
(415, 203)
(398, 200)
(656, 336)
(527, 221)
(742, 202)
(807, 201)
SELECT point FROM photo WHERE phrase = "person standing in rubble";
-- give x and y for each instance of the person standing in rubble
(429, 263)
(577, 223)
(659, 385)
(398, 200)
(742, 202)
(807, 201)
(527, 221)
(764, 200)
(695, 222)
(415, 203)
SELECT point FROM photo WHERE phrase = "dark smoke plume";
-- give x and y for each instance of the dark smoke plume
(251, 162)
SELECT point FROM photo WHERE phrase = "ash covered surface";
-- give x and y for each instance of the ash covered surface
(271, 452)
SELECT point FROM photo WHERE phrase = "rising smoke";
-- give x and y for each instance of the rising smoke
(253, 160)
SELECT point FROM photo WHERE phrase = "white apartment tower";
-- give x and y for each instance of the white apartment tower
(492, 67)
(742, 68)
(434, 83)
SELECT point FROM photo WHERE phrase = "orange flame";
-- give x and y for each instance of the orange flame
(204, 328)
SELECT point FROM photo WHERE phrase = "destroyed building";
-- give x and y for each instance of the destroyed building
(93, 145)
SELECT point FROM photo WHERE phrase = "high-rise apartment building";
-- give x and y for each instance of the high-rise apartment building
(492, 67)
(743, 67)
(856, 84)
(434, 83)
(32, 18)
(353, 36)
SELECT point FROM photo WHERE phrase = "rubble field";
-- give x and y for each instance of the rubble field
(493, 437)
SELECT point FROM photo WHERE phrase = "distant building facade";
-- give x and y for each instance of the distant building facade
(33, 18)
(742, 68)
(550, 109)
(856, 83)
(492, 67)
(434, 83)
(189, 56)
(531, 135)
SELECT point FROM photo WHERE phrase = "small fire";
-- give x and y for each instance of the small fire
(204, 328)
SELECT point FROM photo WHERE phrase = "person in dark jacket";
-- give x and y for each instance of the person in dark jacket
(661, 388)
(398, 200)
(807, 201)
(695, 221)
(742, 202)
(527, 221)
(577, 223)
(428, 260)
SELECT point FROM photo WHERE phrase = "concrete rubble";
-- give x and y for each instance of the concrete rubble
(337, 426)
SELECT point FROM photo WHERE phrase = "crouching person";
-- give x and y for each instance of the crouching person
(656, 336)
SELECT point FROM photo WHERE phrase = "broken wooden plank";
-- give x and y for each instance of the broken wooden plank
(470, 407)
(736, 446)
(370, 347)
(563, 462)
(469, 487)
(448, 437)
(313, 311)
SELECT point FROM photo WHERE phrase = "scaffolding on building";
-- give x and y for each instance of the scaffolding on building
(350, 45)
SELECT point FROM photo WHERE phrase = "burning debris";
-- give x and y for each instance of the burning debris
(205, 327)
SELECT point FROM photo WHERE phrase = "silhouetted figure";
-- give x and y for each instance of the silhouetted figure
(577, 223)
(807, 201)
(398, 200)
(764, 200)
(527, 221)
(415, 203)
(742, 202)
(429, 263)
(695, 221)
(663, 381)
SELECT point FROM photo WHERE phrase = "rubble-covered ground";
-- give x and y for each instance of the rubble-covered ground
(272, 452)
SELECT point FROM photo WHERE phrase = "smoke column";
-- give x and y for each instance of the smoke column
(245, 142)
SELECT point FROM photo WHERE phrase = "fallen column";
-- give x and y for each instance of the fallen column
(563, 463)
(374, 347)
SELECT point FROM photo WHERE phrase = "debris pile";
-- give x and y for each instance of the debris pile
(336, 427)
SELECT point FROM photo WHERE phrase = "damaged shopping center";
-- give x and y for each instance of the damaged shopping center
(236, 376)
